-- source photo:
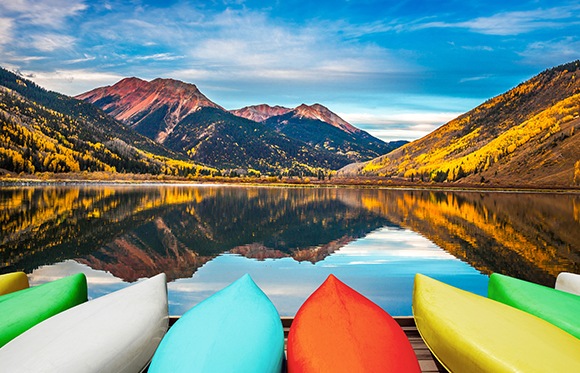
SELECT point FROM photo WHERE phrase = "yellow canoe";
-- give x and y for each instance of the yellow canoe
(11, 282)
(470, 333)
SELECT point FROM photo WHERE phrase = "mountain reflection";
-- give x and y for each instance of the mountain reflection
(138, 231)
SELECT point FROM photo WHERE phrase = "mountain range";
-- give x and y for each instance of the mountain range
(526, 136)
(265, 138)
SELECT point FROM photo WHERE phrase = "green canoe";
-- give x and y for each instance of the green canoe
(23, 309)
(557, 307)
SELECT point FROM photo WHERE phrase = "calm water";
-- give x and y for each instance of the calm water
(287, 239)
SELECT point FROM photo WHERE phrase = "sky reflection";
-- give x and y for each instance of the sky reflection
(381, 266)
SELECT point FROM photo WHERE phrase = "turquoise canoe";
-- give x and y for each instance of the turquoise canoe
(557, 307)
(470, 333)
(235, 330)
(11, 282)
(117, 332)
(23, 309)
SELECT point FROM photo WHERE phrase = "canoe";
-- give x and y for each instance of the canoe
(555, 306)
(568, 282)
(11, 282)
(117, 332)
(23, 309)
(339, 330)
(470, 333)
(235, 330)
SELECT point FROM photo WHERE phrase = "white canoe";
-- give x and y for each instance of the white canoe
(568, 282)
(118, 332)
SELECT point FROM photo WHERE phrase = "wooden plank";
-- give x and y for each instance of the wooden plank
(427, 362)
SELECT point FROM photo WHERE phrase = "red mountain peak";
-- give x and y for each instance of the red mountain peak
(322, 113)
(132, 99)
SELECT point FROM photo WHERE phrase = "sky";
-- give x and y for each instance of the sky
(397, 69)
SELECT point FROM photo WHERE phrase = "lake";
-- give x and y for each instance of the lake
(288, 239)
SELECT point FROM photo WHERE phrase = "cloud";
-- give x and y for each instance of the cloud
(72, 82)
(159, 57)
(474, 78)
(552, 52)
(399, 126)
(6, 26)
(52, 42)
(49, 13)
(86, 58)
(513, 23)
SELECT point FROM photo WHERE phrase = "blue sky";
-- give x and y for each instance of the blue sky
(397, 69)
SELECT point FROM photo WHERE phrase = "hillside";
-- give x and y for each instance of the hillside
(526, 136)
(179, 116)
(45, 131)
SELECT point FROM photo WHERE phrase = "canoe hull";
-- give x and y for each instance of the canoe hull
(236, 330)
(339, 330)
(470, 333)
(11, 282)
(555, 306)
(118, 332)
(23, 309)
(568, 282)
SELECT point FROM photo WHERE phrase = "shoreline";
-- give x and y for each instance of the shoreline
(335, 182)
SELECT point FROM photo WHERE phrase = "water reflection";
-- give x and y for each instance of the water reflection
(127, 233)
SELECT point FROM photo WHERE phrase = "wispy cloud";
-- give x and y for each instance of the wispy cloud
(52, 42)
(51, 13)
(86, 58)
(552, 52)
(6, 25)
(474, 78)
(159, 57)
(399, 126)
(73, 81)
(513, 23)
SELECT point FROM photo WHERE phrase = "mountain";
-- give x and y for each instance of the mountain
(219, 138)
(259, 113)
(323, 129)
(264, 138)
(526, 136)
(151, 108)
(320, 128)
(46, 131)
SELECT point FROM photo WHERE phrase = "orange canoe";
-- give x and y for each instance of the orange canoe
(339, 330)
